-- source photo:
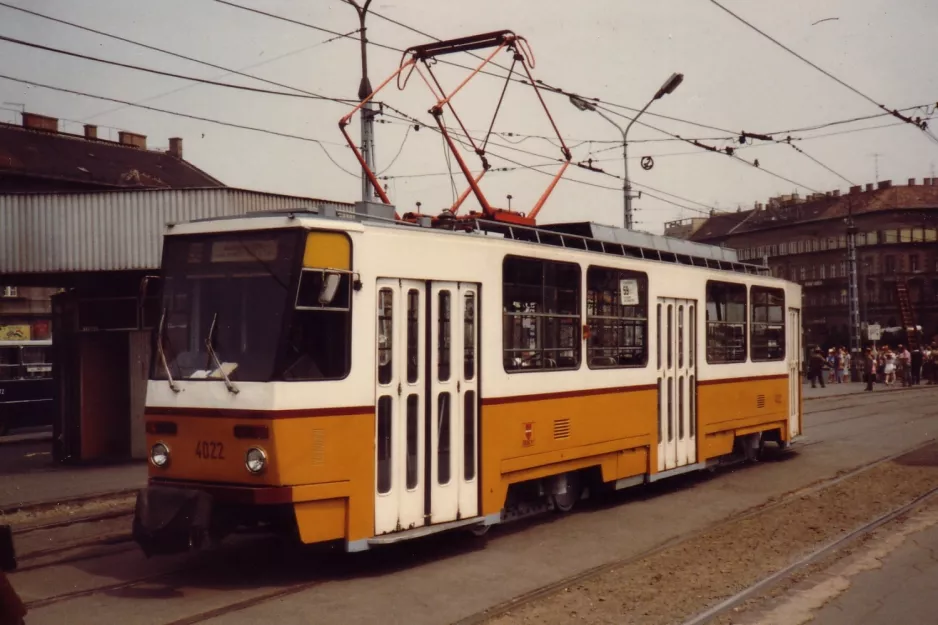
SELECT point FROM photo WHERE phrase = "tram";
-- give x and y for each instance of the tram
(26, 385)
(314, 375)
(363, 377)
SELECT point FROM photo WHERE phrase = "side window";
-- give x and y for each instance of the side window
(617, 316)
(413, 340)
(541, 308)
(767, 323)
(726, 322)
(385, 335)
(443, 349)
(469, 336)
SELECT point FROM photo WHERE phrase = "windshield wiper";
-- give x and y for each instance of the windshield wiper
(162, 354)
(211, 352)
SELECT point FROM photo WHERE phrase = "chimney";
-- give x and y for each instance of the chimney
(869, 186)
(132, 139)
(934, 182)
(175, 147)
(911, 182)
(836, 192)
(40, 122)
(884, 184)
(926, 182)
(91, 131)
(855, 189)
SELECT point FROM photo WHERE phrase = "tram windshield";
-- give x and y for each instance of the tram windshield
(230, 294)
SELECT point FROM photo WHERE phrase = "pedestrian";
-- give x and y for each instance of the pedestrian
(934, 364)
(916, 359)
(889, 367)
(904, 365)
(838, 366)
(816, 367)
(12, 610)
(869, 368)
(846, 364)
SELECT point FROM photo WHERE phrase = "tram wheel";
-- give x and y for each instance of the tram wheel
(564, 502)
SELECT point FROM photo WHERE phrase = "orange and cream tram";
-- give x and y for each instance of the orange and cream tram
(367, 381)
(368, 378)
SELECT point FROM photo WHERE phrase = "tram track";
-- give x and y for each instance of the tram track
(768, 582)
(519, 601)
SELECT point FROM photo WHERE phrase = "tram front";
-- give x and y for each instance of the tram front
(249, 418)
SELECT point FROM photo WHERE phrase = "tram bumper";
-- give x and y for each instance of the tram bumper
(171, 520)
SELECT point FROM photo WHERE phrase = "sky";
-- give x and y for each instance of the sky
(619, 51)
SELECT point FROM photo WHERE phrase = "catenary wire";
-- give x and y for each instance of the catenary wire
(185, 57)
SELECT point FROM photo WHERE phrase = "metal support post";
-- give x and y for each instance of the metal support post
(852, 297)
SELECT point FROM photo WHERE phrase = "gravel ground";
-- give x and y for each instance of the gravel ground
(678, 582)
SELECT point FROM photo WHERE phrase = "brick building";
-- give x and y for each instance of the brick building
(804, 240)
(36, 157)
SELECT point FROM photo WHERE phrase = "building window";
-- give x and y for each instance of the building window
(931, 235)
(872, 238)
(905, 235)
(890, 262)
(726, 322)
(617, 316)
(541, 301)
(890, 236)
(814, 272)
(913, 263)
(843, 269)
(861, 238)
(783, 248)
(918, 235)
(801, 271)
(824, 272)
(843, 296)
(767, 338)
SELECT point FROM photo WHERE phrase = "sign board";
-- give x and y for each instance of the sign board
(628, 292)
(15, 333)
(874, 332)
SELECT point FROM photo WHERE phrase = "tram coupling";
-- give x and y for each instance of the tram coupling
(171, 520)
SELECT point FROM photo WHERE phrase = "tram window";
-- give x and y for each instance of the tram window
(768, 323)
(413, 408)
(692, 338)
(692, 406)
(660, 411)
(680, 336)
(680, 408)
(469, 337)
(658, 335)
(670, 335)
(385, 335)
(726, 322)
(444, 337)
(617, 316)
(469, 435)
(413, 340)
(670, 409)
(384, 444)
(442, 439)
(541, 324)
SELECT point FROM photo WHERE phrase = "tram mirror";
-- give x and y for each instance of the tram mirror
(330, 286)
(324, 290)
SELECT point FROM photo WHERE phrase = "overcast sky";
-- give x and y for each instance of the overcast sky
(617, 50)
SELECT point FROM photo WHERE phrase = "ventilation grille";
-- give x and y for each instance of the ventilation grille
(760, 401)
(319, 447)
(562, 428)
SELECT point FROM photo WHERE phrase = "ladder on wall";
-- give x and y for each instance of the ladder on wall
(906, 313)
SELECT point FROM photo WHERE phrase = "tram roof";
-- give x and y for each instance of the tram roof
(586, 236)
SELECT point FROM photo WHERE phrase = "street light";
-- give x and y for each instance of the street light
(584, 105)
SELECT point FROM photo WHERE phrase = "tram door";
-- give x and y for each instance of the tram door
(794, 353)
(426, 403)
(677, 382)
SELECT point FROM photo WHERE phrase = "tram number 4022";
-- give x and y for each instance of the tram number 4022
(210, 450)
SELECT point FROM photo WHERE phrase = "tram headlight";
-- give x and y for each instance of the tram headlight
(159, 455)
(255, 460)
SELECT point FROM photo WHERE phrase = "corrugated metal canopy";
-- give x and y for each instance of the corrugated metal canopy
(116, 230)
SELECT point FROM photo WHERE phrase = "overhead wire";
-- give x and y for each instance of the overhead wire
(172, 74)
(183, 56)
(853, 89)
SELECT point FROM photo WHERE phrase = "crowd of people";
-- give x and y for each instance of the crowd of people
(882, 365)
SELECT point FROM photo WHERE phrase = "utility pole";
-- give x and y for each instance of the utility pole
(368, 112)
(584, 105)
(853, 293)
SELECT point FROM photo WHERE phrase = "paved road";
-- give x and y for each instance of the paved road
(444, 579)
